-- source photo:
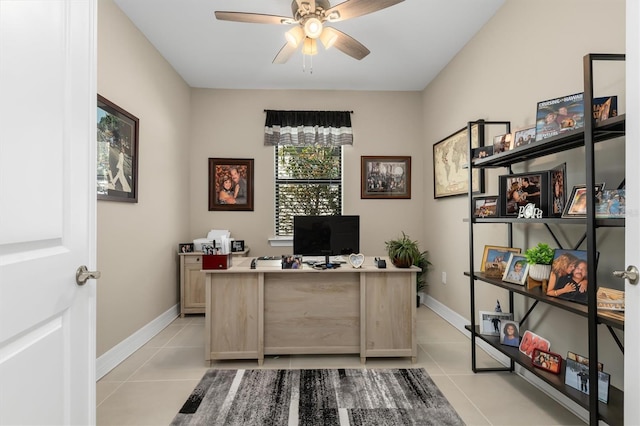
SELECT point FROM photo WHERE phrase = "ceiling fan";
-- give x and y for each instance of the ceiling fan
(309, 18)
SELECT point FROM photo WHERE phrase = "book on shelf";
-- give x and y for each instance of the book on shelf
(609, 299)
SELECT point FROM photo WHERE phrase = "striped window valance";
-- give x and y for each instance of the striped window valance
(307, 128)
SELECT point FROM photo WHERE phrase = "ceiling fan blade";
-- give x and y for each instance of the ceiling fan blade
(254, 18)
(349, 45)
(354, 8)
(284, 54)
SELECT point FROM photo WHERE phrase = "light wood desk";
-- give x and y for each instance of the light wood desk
(368, 311)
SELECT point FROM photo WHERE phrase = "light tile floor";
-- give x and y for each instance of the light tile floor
(150, 386)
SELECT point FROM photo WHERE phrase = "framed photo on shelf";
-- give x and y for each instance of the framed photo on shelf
(230, 184)
(577, 201)
(531, 341)
(185, 248)
(496, 257)
(117, 140)
(485, 206)
(482, 152)
(545, 360)
(525, 136)
(605, 107)
(451, 162)
(568, 279)
(559, 115)
(502, 143)
(611, 204)
(518, 191)
(516, 270)
(582, 360)
(558, 184)
(510, 333)
(491, 322)
(577, 376)
(385, 177)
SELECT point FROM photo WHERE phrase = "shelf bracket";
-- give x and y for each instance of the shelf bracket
(616, 339)
(524, 318)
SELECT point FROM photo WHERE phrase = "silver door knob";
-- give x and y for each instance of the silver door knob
(83, 274)
(630, 274)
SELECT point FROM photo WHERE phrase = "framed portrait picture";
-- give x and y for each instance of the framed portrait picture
(385, 177)
(577, 376)
(559, 115)
(510, 333)
(558, 178)
(531, 341)
(546, 361)
(485, 206)
(516, 270)
(185, 248)
(525, 136)
(481, 152)
(237, 246)
(611, 204)
(519, 191)
(451, 162)
(117, 139)
(496, 257)
(577, 201)
(230, 184)
(502, 143)
(568, 279)
(491, 322)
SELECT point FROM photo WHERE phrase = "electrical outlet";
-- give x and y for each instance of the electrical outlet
(444, 278)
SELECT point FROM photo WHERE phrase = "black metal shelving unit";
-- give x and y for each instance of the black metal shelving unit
(587, 137)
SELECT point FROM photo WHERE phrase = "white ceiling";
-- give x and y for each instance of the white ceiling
(410, 43)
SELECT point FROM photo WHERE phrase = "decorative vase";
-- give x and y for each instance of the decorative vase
(539, 272)
(401, 263)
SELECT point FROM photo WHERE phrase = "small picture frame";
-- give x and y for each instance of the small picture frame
(291, 262)
(185, 248)
(510, 333)
(482, 152)
(582, 360)
(531, 341)
(237, 246)
(525, 136)
(524, 194)
(577, 201)
(611, 204)
(502, 143)
(516, 270)
(545, 360)
(491, 322)
(485, 206)
(577, 377)
(496, 257)
(558, 181)
(209, 249)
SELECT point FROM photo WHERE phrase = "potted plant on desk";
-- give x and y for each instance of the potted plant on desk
(539, 259)
(404, 253)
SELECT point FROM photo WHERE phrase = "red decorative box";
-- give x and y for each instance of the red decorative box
(216, 261)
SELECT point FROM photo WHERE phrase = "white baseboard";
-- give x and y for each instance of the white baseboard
(114, 356)
(460, 322)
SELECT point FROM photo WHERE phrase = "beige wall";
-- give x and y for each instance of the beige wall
(230, 124)
(137, 242)
(529, 52)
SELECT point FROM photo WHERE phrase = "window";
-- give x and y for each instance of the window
(308, 182)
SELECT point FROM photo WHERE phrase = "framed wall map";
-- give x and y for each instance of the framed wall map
(450, 165)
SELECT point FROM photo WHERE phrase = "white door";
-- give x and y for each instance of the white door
(632, 221)
(47, 211)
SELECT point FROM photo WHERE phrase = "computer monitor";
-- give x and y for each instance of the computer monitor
(326, 235)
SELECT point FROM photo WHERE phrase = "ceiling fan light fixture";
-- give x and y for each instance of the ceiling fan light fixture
(294, 36)
(310, 47)
(313, 27)
(328, 38)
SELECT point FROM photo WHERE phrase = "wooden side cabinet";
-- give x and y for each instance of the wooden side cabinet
(192, 288)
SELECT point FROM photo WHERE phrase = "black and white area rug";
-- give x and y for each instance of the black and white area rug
(356, 397)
